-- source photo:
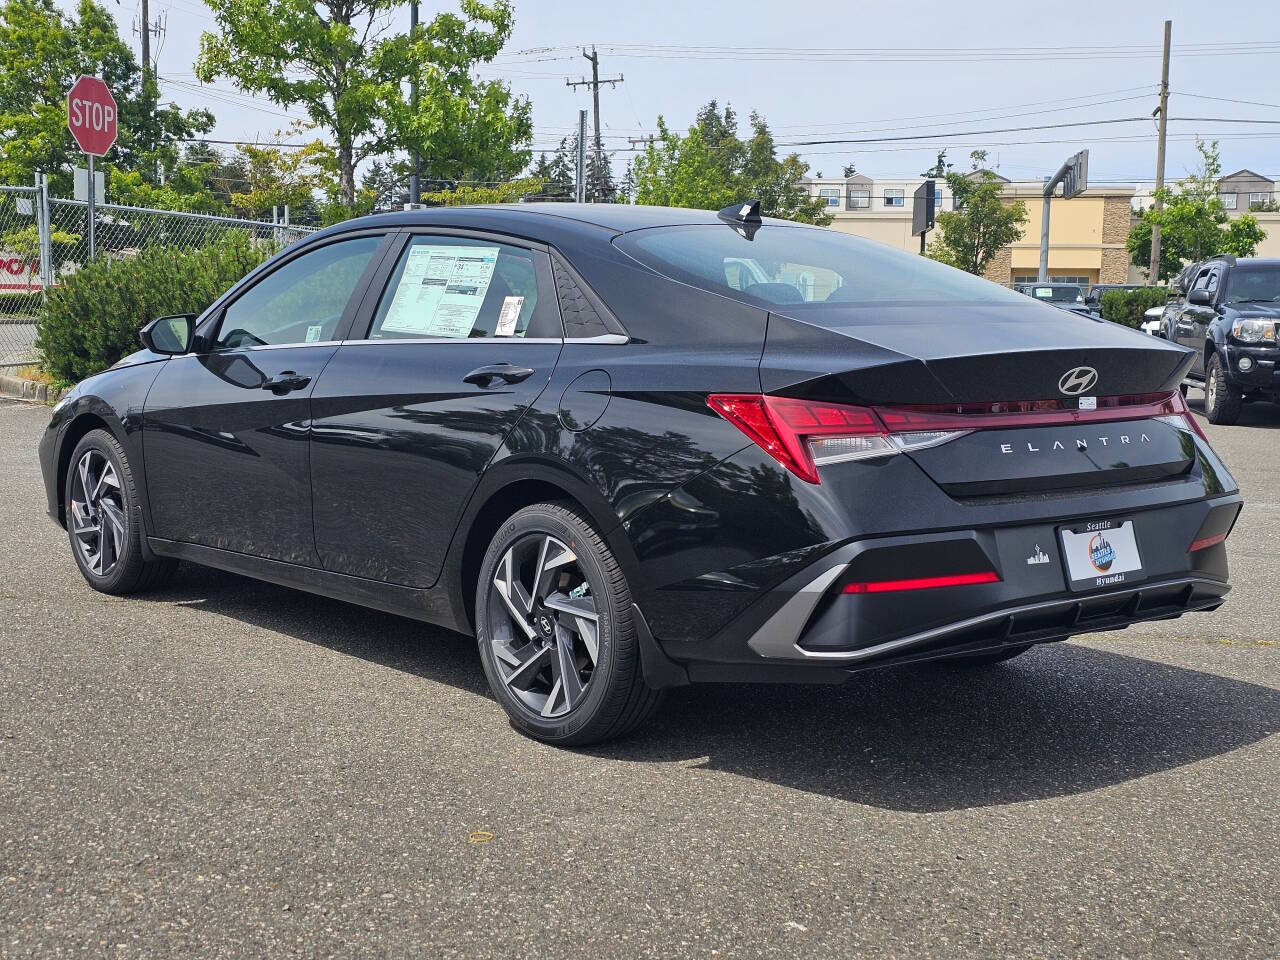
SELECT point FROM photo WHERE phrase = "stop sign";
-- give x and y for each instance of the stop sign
(91, 115)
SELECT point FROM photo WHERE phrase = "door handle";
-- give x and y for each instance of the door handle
(506, 372)
(285, 382)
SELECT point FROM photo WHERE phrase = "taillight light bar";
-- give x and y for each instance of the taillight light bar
(922, 583)
(1204, 543)
(803, 435)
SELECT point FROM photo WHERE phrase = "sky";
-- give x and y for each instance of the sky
(871, 71)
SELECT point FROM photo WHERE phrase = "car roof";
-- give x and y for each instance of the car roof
(535, 219)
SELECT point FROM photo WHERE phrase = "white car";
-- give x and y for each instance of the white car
(1151, 321)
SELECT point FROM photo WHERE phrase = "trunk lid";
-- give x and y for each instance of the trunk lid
(963, 353)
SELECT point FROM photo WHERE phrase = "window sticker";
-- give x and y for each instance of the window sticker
(509, 316)
(441, 291)
(314, 331)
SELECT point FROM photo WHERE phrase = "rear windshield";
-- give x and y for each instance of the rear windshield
(1058, 294)
(803, 267)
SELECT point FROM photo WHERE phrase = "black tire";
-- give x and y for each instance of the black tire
(1222, 401)
(989, 658)
(128, 571)
(614, 699)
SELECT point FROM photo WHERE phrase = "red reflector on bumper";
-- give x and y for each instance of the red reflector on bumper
(922, 583)
(1205, 542)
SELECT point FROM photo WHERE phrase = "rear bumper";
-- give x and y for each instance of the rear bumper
(813, 624)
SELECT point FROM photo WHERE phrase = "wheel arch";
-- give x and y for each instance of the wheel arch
(510, 487)
(83, 424)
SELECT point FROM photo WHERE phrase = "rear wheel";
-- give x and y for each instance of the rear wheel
(554, 628)
(1222, 401)
(103, 520)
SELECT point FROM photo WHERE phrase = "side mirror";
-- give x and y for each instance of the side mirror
(169, 335)
(1199, 297)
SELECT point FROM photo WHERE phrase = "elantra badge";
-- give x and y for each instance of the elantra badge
(1077, 380)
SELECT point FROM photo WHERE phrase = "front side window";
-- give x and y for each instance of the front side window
(452, 288)
(301, 301)
(893, 198)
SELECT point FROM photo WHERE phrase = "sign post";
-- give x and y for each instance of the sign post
(92, 118)
(924, 205)
(1074, 177)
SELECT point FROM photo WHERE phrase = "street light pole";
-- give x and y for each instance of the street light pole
(415, 175)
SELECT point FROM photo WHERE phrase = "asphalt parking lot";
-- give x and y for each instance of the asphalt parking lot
(229, 768)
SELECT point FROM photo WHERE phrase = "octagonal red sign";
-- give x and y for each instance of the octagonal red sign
(92, 115)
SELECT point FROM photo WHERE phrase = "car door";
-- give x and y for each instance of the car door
(460, 335)
(225, 427)
(1193, 319)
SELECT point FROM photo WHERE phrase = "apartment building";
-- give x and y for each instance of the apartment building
(1086, 235)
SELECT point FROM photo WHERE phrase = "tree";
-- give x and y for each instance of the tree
(1194, 224)
(277, 177)
(42, 52)
(849, 170)
(337, 60)
(512, 191)
(939, 170)
(556, 175)
(710, 167)
(981, 224)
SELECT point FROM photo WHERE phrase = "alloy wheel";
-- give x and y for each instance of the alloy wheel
(97, 513)
(544, 625)
(1211, 390)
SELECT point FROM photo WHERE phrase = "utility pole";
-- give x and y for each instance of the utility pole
(580, 188)
(594, 84)
(1153, 270)
(415, 172)
(146, 41)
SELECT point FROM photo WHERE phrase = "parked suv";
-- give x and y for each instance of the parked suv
(1229, 317)
(1065, 296)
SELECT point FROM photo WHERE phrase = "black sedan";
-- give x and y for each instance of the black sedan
(631, 448)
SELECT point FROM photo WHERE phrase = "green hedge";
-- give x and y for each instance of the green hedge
(92, 318)
(1128, 306)
(19, 304)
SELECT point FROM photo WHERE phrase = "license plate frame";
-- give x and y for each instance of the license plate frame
(1100, 553)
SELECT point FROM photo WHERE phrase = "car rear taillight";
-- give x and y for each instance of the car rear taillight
(803, 435)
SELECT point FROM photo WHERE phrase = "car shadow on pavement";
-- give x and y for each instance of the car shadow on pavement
(1060, 720)
(1260, 413)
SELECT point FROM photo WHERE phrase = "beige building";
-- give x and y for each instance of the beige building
(1086, 235)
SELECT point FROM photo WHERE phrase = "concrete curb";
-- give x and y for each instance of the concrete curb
(15, 388)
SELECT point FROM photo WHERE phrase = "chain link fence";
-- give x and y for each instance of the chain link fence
(44, 240)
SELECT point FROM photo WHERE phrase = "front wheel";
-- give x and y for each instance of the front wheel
(555, 632)
(103, 520)
(1222, 401)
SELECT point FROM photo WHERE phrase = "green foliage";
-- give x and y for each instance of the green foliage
(981, 223)
(42, 51)
(337, 60)
(1194, 224)
(710, 168)
(1128, 306)
(91, 320)
(510, 192)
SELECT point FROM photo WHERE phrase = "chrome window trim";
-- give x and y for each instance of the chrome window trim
(606, 338)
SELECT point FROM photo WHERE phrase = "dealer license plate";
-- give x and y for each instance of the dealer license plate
(1101, 553)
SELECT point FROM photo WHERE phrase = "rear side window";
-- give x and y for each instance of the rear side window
(802, 267)
(301, 301)
(455, 288)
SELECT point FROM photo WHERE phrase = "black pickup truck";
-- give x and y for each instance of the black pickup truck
(1230, 317)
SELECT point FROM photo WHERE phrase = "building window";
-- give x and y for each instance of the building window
(1228, 200)
(1033, 278)
(893, 198)
(830, 197)
(859, 198)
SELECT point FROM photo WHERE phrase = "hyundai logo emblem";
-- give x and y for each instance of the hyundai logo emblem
(1077, 380)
